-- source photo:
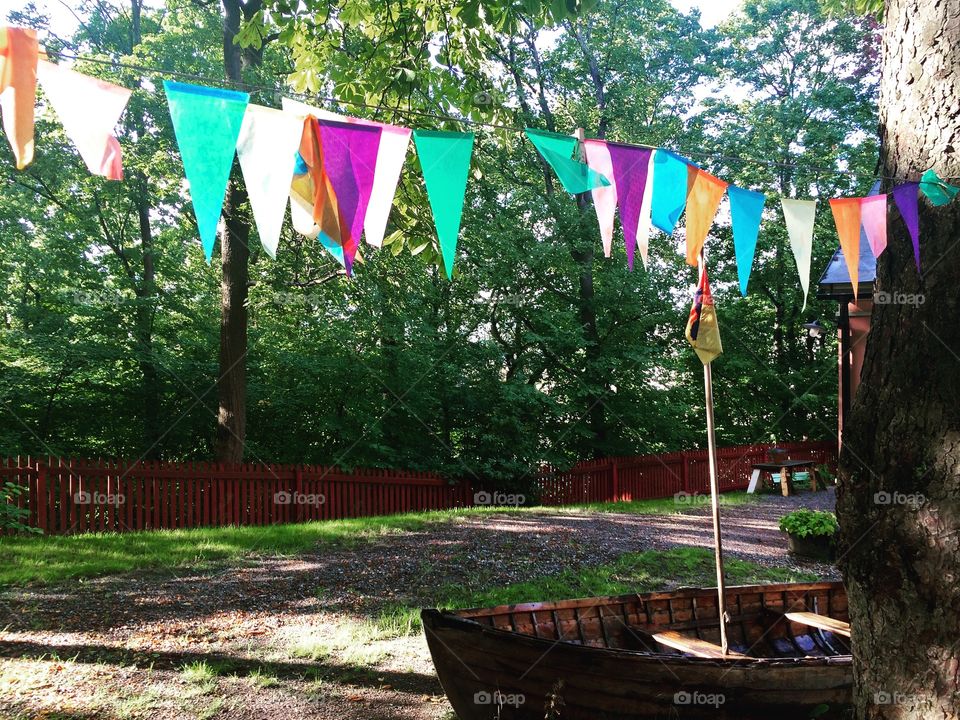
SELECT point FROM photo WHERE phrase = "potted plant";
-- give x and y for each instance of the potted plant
(811, 533)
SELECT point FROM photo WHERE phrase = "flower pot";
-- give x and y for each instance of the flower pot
(817, 547)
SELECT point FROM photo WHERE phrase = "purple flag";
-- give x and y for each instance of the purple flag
(350, 161)
(630, 166)
(905, 196)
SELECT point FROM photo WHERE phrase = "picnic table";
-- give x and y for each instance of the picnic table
(784, 467)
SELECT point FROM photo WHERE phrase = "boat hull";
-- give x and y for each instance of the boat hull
(490, 672)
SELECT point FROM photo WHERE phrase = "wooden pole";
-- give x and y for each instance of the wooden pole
(715, 505)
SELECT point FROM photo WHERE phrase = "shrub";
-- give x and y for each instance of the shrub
(806, 523)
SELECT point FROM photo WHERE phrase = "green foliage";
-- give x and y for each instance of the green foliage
(12, 516)
(806, 523)
(541, 350)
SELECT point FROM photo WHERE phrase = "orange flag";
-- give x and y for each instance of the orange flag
(704, 193)
(846, 214)
(324, 200)
(18, 89)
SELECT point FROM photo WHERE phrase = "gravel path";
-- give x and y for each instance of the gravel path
(128, 636)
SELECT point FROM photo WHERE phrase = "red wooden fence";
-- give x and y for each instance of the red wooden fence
(72, 496)
(659, 476)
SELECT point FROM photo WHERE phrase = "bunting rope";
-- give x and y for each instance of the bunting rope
(273, 92)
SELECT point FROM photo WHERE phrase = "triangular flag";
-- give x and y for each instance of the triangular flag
(905, 196)
(873, 215)
(703, 330)
(644, 223)
(556, 149)
(18, 89)
(445, 162)
(267, 148)
(597, 156)
(350, 161)
(846, 215)
(669, 190)
(800, 216)
(394, 141)
(937, 191)
(746, 210)
(631, 164)
(206, 122)
(89, 110)
(311, 183)
(703, 198)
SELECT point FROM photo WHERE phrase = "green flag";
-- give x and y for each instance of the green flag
(556, 149)
(207, 124)
(937, 191)
(445, 162)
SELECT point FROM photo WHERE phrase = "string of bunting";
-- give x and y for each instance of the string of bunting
(339, 174)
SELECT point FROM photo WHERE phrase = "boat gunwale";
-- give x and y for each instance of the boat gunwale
(632, 597)
(433, 618)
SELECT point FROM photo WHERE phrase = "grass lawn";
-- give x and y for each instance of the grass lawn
(43, 560)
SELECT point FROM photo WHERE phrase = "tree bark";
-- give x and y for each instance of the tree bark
(234, 284)
(900, 550)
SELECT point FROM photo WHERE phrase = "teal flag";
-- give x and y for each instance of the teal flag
(937, 191)
(669, 190)
(334, 248)
(206, 122)
(445, 162)
(746, 209)
(576, 177)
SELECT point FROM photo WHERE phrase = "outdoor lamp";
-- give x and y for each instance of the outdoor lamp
(814, 329)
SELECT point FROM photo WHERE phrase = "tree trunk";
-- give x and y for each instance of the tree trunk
(235, 257)
(900, 550)
(146, 309)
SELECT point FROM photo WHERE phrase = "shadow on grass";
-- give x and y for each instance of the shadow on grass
(224, 664)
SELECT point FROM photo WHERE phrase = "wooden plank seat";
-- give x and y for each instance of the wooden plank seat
(693, 646)
(820, 621)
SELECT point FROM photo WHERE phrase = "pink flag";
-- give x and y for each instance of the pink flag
(597, 156)
(873, 215)
(89, 110)
(350, 161)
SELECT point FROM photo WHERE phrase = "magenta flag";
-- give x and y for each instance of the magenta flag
(350, 161)
(905, 196)
(630, 166)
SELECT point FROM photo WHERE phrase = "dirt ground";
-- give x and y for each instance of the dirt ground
(276, 638)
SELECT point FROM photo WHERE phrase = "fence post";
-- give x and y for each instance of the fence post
(298, 481)
(42, 496)
(685, 471)
(615, 480)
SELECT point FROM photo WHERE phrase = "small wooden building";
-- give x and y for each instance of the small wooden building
(853, 319)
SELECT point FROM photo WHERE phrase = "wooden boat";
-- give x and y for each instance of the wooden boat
(654, 655)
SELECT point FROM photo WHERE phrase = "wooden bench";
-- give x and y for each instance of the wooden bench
(693, 646)
(820, 621)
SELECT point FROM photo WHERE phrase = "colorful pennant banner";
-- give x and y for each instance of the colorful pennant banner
(19, 53)
(206, 122)
(267, 149)
(557, 150)
(445, 162)
(746, 210)
(631, 165)
(800, 216)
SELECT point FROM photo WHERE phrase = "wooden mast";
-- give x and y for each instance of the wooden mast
(715, 496)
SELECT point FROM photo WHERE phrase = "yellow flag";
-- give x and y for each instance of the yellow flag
(703, 332)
